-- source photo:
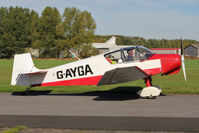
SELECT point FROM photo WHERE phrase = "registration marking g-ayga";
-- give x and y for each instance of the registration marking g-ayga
(73, 72)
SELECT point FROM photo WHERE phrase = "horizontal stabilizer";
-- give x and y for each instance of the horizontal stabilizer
(37, 72)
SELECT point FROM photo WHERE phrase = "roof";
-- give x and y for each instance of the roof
(194, 45)
(110, 43)
(164, 48)
(100, 45)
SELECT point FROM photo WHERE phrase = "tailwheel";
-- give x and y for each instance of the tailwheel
(151, 91)
(27, 90)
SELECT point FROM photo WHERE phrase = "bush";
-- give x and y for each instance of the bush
(87, 51)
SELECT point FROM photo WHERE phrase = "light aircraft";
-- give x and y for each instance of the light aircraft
(104, 69)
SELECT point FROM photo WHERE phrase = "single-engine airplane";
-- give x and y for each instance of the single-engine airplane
(122, 65)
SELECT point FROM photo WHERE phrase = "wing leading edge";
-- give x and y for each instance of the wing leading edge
(120, 75)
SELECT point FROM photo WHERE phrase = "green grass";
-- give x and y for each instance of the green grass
(170, 84)
(16, 129)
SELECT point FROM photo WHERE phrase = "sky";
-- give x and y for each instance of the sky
(157, 19)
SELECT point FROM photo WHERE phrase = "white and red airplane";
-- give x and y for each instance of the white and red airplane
(104, 69)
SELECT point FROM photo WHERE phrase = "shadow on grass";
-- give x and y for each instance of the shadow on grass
(116, 94)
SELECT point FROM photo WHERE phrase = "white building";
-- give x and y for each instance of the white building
(108, 45)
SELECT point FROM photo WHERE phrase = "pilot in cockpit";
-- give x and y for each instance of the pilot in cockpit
(130, 55)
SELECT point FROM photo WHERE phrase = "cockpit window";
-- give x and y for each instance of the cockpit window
(129, 54)
(113, 57)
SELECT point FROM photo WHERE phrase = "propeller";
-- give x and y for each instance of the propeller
(182, 60)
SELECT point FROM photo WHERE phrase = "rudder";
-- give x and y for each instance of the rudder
(22, 64)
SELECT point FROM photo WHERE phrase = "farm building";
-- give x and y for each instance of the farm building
(192, 50)
(166, 50)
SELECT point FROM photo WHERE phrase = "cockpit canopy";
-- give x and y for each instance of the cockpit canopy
(129, 54)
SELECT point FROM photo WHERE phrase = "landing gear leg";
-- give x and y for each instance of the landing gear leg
(27, 90)
(149, 91)
(148, 81)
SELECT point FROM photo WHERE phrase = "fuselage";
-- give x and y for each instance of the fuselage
(90, 71)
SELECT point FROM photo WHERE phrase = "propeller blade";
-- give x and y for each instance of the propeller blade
(183, 68)
(182, 60)
(181, 46)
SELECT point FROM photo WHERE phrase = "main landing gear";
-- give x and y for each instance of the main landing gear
(150, 91)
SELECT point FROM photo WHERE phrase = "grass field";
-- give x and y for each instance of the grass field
(170, 84)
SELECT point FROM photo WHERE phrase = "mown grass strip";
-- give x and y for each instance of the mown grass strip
(16, 129)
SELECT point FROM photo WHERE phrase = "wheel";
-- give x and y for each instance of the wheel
(149, 92)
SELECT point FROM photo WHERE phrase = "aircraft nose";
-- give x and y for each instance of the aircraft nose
(171, 64)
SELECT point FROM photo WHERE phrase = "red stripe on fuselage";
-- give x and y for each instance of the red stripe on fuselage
(80, 81)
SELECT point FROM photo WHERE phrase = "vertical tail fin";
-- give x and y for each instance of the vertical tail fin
(22, 64)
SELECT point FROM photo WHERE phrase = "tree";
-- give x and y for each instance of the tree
(45, 32)
(15, 31)
(87, 50)
(34, 28)
(3, 13)
(150, 43)
(79, 27)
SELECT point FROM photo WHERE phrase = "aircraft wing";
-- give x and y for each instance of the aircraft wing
(120, 75)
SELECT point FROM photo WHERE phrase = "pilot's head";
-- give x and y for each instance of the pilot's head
(130, 52)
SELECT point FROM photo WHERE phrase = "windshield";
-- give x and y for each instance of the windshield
(144, 52)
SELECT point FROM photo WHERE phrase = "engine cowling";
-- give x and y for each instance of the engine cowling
(171, 63)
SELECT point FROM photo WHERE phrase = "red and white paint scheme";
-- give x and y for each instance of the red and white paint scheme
(123, 65)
